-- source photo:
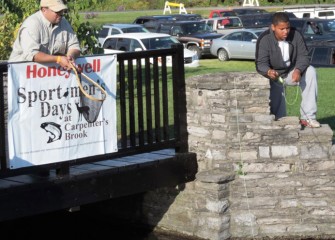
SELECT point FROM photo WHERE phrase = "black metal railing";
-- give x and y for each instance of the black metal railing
(151, 108)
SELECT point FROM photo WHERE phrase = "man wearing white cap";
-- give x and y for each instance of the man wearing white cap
(47, 37)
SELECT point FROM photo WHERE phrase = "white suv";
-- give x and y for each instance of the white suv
(146, 41)
(117, 28)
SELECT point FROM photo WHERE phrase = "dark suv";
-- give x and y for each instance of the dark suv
(151, 22)
(256, 20)
(314, 28)
(322, 53)
(196, 36)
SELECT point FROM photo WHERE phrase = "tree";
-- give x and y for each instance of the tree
(15, 11)
(86, 32)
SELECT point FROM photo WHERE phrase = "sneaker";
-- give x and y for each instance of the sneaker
(312, 123)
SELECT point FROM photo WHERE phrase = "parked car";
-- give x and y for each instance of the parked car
(260, 20)
(289, 14)
(196, 36)
(224, 24)
(151, 22)
(117, 28)
(221, 13)
(235, 12)
(312, 12)
(322, 53)
(146, 41)
(248, 10)
(315, 29)
(189, 16)
(256, 20)
(240, 44)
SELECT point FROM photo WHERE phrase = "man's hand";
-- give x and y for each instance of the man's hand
(296, 76)
(65, 61)
(273, 74)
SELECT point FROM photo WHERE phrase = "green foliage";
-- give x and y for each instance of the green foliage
(125, 5)
(156, 4)
(8, 28)
(240, 171)
(86, 32)
(82, 4)
(15, 11)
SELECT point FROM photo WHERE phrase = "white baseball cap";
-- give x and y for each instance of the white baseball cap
(54, 5)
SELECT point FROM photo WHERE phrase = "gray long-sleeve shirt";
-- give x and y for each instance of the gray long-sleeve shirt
(37, 34)
(268, 53)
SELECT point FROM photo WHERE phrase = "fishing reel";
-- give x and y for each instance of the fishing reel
(281, 80)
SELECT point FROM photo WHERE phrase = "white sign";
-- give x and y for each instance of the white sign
(47, 118)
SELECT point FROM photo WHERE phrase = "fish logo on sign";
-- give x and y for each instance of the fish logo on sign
(53, 129)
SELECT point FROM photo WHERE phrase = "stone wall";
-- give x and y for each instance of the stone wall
(257, 177)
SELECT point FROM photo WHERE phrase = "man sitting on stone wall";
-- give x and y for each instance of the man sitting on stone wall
(282, 56)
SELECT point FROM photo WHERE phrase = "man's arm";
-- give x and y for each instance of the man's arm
(74, 53)
(42, 57)
(302, 52)
(64, 61)
(262, 58)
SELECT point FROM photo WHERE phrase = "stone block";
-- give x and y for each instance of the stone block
(199, 132)
(314, 151)
(244, 155)
(217, 206)
(273, 230)
(264, 152)
(317, 135)
(215, 176)
(266, 167)
(218, 134)
(302, 228)
(244, 219)
(284, 151)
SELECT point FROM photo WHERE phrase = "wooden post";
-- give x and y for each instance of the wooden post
(179, 100)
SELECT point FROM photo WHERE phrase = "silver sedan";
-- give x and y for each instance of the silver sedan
(239, 44)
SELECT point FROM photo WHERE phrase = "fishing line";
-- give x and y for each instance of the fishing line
(241, 160)
(281, 80)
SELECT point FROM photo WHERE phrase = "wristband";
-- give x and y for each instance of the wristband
(58, 59)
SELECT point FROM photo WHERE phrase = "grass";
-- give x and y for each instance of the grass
(214, 65)
(130, 16)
